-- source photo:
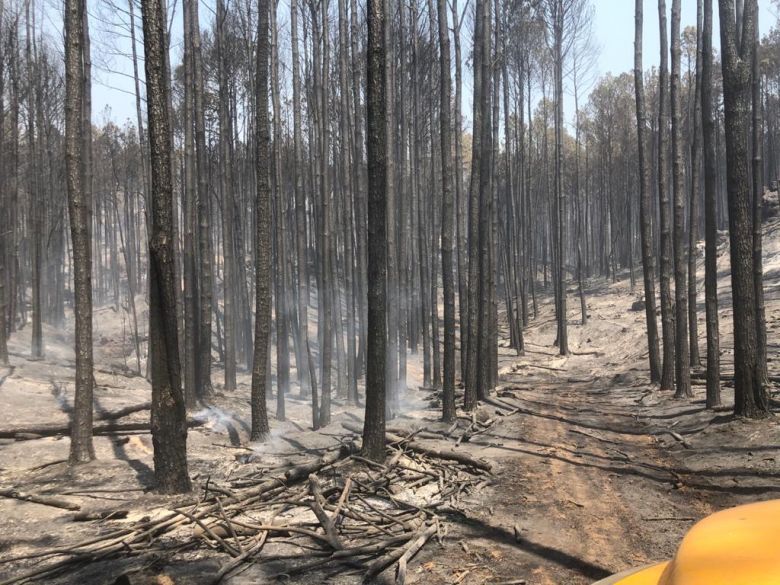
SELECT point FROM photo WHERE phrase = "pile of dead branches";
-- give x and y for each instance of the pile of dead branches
(338, 513)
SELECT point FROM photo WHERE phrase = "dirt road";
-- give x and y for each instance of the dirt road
(599, 471)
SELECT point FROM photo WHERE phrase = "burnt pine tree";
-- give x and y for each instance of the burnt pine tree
(558, 23)
(710, 214)
(226, 187)
(695, 186)
(376, 149)
(169, 423)
(260, 428)
(750, 396)
(300, 210)
(448, 216)
(682, 350)
(758, 195)
(189, 204)
(667, 318)
(645, 207)
(81, 448)
(206, 281)
(327, 293)
(469, 339)
(4, 214)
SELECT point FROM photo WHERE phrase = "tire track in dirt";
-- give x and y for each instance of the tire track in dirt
(575, 499)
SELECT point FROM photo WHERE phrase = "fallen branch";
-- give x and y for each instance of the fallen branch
(53, 430)
(122, 412)
(234, 563)
(519, 367)
(418, 448)
(411, 550)
(100, 515)
(52, 501)
(327, 522)
(727, 377)
(676, 436)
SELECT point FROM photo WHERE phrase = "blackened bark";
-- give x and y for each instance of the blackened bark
(361, 223)
(461, 204)
(189, 203)
(645, 207)
(682, 355)
(470, 344)
(560, 195)
(750, 397)
(300, 211)
(226, 185)
(693, 230)
(350, 179)
(710, 214)
(260, 428)
(758, 204)
(667, 317)
(447, 216)
(393, 288)
(81, 448)
(168, 418)
(376, 143)
(206, 282)
(280, 297)
(37, 199)
(327, 292)
(5, 213)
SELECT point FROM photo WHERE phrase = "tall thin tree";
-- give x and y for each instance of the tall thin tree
(710, 213)
(448, 215)
(667, 317)
(376, 144)
(757, 106)
(695, 187)
(645, 207)
(79, 210)
(682, 355)
(169, 424)
(260, 428)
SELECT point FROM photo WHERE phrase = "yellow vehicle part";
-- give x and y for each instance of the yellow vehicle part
(645, 576)
(739, 546)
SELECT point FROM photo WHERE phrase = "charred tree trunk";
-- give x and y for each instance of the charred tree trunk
(758, 204)
(226, 186)
(682, 355)
(81, 448)
(168, 418)
(300, 213)
(645, 207)
(206, 276)
(327, 292)
(693, 230)
(710, 213)
(376, 142)
(4, 205)
(750, 396)
(280, 297)
(667, 317)
(560, 195)
(260, 428)
(471, 335)
(447, 215)
(189, 203)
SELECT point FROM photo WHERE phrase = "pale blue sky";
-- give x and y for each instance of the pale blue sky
(613, 35)
(614, 30)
